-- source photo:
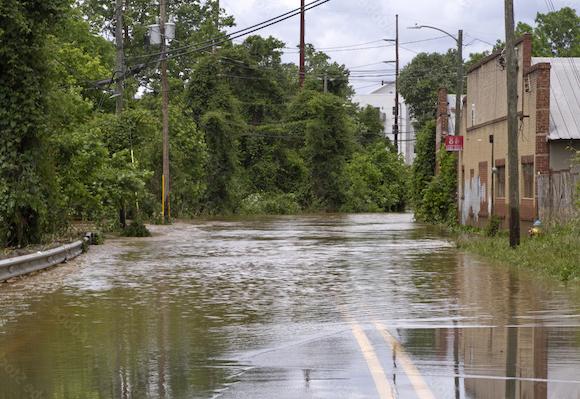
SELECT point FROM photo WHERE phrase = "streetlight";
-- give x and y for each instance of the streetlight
(459, 41)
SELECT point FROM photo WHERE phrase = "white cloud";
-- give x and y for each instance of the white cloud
(347, 22)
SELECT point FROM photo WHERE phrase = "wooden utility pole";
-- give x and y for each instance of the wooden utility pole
(302, 44)
(217, 21)
(459, 83)
(396, 109)
(165, 180)
(120, 60)
(119, 77)
(512, 122)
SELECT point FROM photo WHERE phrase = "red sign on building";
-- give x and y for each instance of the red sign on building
(454, 143)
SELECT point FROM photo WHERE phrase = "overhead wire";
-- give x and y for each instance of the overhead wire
(216, 42)
(294, 12)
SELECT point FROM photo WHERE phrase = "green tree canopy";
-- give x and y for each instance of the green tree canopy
(556, 34)
(421, 79)
(29, 199)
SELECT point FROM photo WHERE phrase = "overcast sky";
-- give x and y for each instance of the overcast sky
(352, 22)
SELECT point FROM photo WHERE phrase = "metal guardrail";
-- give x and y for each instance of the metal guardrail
(21, 265)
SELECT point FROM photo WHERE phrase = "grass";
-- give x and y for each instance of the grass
(556, 253)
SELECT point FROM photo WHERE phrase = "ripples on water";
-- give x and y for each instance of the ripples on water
(187, 312)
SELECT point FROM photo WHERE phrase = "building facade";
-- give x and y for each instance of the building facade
(383, 99)
(548, 136)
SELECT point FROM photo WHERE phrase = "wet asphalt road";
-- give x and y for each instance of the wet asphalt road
(327, 306)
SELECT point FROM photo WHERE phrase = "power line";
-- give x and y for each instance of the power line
(214, 42)
(213, 39)
(357, 48)
(229, 37)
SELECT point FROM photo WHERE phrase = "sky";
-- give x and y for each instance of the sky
(338, 24)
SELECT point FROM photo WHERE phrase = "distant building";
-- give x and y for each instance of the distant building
(384, 100)
(549, 136)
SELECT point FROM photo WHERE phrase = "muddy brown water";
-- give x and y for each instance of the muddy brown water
(269, 308)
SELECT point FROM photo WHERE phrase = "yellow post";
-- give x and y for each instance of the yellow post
(163, 196)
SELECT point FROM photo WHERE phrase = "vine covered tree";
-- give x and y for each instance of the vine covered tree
(28, 193)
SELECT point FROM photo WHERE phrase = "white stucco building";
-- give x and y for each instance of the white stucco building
(384, 100)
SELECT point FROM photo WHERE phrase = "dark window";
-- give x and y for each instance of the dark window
(528, 180)
(500, 182)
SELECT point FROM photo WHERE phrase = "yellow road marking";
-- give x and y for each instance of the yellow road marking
(421, 388)
(381, 383)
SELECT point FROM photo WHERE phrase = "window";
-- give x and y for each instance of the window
(500, 182)
(528, 180)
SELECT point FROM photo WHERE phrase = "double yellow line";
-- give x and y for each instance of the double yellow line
(382, 384)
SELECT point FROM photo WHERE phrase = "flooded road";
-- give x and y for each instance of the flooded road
(359, 306)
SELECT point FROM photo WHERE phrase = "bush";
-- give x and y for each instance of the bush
(439, 203)
(97, 238)
(492, 227)
(270, 204)
(376, 181)
(136, 229)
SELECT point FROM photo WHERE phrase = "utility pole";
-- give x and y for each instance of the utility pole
(396, 113)
(512, 122)
(493, 173)
(459, 83)
(302, 44)
(120, 60)
(217, 21)
(325, 82)
(165, 180)
(119, 77)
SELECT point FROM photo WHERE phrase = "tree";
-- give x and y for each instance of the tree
(29, 192)
(376, 181)
(318, 66)
(213, 106)
(421, 79)
(370, 126)
(439, 202)
(424, 165)
(557, 33)
(329, 144)
(223, 162)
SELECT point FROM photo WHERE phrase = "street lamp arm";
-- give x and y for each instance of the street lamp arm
(437, 29)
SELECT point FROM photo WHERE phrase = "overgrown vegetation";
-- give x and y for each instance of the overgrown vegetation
(136, 229)
(243, 137)
(555, 253)
(439, 202)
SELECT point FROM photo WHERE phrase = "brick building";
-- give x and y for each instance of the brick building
(549, 133)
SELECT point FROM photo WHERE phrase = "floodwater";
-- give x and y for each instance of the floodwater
(331, 306)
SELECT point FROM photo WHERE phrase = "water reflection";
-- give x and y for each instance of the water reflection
(256, 308)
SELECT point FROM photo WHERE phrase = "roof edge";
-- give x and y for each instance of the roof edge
(497, 53)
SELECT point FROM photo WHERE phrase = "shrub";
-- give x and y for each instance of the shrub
(270, 204)
(493, 226)
(136, 229)
(439, 203)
